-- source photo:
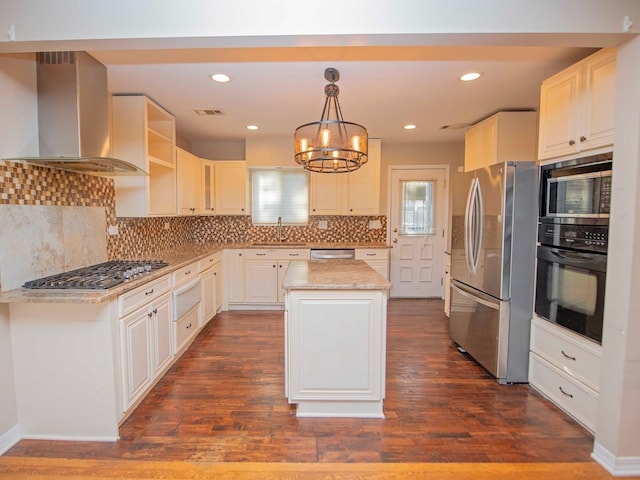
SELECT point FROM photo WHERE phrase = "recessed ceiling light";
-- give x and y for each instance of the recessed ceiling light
(252, 127)
(220, 77)
(409, 127)
(467, 77)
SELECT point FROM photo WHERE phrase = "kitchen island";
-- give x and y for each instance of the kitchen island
(335, 338)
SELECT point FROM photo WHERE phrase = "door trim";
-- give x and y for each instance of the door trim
(447, 201)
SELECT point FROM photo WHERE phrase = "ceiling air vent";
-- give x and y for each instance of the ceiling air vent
(211, 112)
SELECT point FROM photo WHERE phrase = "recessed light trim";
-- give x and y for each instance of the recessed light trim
(410, 126)
(252, 127)
(469, 77)
(220, 77)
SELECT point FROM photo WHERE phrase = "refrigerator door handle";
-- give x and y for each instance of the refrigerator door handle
(468, 219)
(476, 295)
(473, 226)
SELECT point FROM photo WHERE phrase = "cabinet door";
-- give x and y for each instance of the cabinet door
(234, 273)
(559, 114)
(230, 187)
(326, 193)
(217, 278)
(208, 296)
(189, 183)
(261, 281)
(364, 184)
(137, 366)
(208, 188)
(162, 324)
(282, 271)
(598, 107)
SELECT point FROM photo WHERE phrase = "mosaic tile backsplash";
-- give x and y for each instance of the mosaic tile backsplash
(24, 184)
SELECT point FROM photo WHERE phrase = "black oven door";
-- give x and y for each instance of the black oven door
(570, 289)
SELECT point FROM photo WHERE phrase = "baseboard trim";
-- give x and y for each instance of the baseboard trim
(618, 466)
(9, 439)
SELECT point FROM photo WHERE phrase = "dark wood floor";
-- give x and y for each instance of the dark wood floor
(223, 401)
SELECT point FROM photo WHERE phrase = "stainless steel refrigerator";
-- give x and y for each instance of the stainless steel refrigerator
(493, 251)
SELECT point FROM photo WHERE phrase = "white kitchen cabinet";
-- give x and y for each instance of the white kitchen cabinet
(353, 193)
(335, 348)
(234, 275)
(230, 187)
(565, 368)
(208, 206)
(376, 258)
(505, 136)
(264, 271)
(189, 175)
(261, 281)
(211, 292)
(219, 285)
(144, 135)
(577, 107)
(145, 336)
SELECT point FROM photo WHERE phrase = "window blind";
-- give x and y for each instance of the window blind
(279, 193)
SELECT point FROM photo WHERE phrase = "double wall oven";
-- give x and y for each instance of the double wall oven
(573, 232)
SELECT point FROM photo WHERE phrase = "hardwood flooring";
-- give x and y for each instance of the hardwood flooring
(223, 401)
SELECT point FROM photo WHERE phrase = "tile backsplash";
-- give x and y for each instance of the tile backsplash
(24, 184)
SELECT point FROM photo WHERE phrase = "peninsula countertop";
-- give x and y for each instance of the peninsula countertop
(333, 275)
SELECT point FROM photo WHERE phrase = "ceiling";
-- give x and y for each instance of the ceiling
(382, 87)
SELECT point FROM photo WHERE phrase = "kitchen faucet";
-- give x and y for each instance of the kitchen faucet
(280, 237)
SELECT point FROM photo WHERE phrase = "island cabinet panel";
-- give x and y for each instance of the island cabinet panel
(336, 352)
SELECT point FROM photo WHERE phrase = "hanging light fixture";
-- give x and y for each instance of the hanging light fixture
(331, 145)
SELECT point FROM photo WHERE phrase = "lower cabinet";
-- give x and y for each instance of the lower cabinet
(147, 352)
(210, 275)
(565, 368)
(376, 258)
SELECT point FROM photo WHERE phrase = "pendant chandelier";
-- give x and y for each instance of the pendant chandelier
(331, 145)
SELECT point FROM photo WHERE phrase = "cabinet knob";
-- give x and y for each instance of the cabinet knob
(274, 266)
(572, 142)
(583, 138)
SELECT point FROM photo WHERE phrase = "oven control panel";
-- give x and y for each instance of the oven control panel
(592, 238)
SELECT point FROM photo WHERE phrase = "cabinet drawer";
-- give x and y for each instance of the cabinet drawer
(572, 354)
(571, 396)
(277, 254)
(185, 274)
(185, 328)
(209, 261)
(130, 301)
(372, 254)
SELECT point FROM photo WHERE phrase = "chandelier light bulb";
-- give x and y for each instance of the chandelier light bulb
(355, 142)
(326, 137)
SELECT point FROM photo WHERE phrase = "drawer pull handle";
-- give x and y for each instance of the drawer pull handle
(294, 254)
(371, 254)
(189, 326)
(211, 260)
(568, 356)
(187, 272)
(565, 393)
(149, 314)
(260, 254)
(149, 292)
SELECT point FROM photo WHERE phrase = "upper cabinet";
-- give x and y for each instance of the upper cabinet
(353, 193)
(577, 107)
(189, 173)
(230, 187)
(505, 136)
(208, 205)
(144, 135)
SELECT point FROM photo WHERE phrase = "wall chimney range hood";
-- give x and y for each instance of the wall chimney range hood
(73, 118)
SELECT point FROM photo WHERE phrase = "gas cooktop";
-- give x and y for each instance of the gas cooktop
(98, 277)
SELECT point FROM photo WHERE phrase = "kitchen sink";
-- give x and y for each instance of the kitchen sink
(278, 244)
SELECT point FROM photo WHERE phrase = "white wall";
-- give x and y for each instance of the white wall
(19, 127)
(219, 150)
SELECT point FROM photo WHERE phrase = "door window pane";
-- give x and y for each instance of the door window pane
(417, 208)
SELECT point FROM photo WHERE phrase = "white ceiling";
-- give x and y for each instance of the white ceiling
(382, 87)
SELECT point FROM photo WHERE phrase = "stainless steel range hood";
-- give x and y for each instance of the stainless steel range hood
(73, 118)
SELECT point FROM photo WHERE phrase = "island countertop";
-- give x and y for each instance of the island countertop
(333, 275)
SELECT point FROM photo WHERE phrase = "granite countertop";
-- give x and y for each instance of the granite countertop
(176, 258)
(333, 275)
